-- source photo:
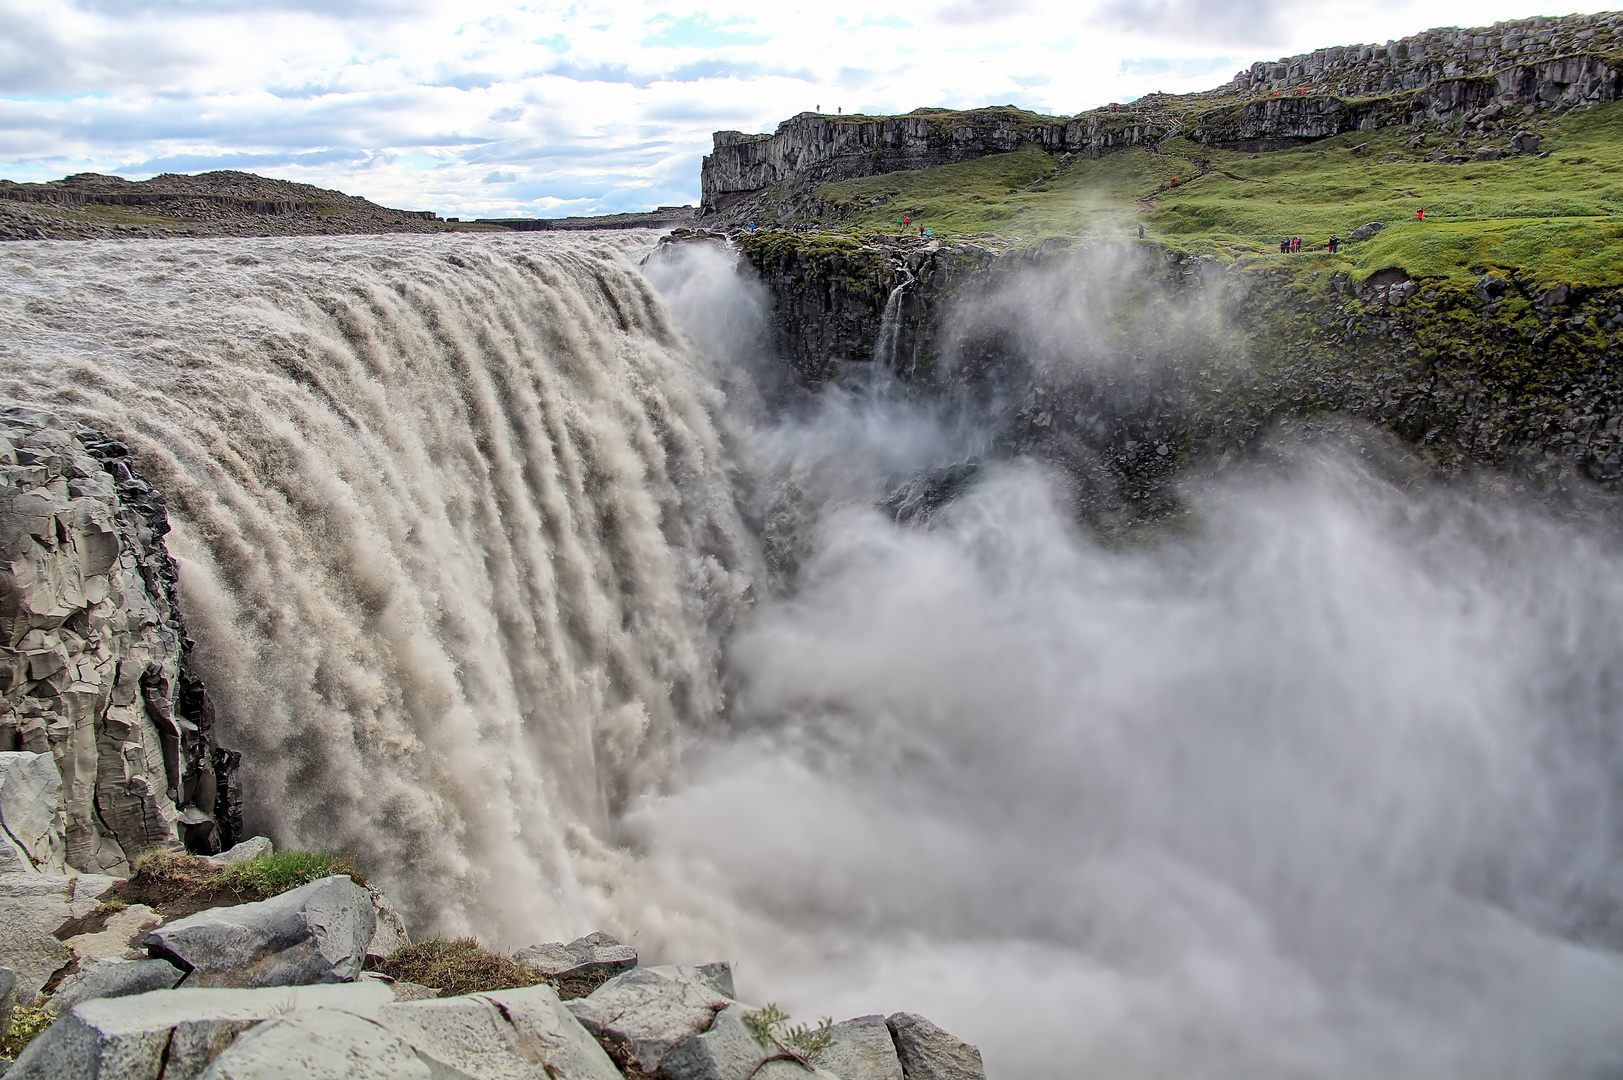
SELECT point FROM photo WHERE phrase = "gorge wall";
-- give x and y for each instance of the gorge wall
(1440, 76)
(1127, 365)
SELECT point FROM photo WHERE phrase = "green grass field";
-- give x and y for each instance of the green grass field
(1555, 218)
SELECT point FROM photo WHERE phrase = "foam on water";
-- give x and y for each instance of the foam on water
(512, 587)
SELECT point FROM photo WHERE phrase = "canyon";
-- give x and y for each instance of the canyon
(1143, 654)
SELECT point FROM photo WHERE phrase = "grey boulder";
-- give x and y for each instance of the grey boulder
(928, 1053)
(728, 1050)
(29, 951)
(1367, 230)
(112, 979)
(507, 1033)
(511, 1034)
(174, 1034)
(49, 900)
(252, 848)
(863, 1050)
(643, 1015)
(317, 933)
(580, 967)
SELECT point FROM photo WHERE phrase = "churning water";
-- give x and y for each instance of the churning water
(506, 579)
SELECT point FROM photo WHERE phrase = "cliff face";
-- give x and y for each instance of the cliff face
(1272, 122)
(1442, 75)
(93, 654)
(812, 149)
(1434, 56)
(1124, 366)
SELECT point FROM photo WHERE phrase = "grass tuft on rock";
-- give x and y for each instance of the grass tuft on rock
(26, 1022)
(458, 967)
(177, 884)
(271, 875)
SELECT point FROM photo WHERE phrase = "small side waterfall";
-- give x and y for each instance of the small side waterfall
(890, 325)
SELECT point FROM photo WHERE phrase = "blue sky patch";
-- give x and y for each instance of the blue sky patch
(700, 32)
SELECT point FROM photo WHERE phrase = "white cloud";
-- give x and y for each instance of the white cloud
(479, 109)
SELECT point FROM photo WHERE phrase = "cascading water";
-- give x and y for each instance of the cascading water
(504, 586)
(890, 323)
(456, 533)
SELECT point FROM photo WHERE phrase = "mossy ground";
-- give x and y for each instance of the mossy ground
(1555, 219)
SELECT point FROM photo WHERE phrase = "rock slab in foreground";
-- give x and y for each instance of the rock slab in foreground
(317, 933)
(174, 1034)
(112, 979)
(928, 1053)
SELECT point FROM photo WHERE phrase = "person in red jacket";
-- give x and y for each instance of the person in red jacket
(1420, 215)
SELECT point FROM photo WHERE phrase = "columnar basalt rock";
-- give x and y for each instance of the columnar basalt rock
(1433, 56)
(93, 653)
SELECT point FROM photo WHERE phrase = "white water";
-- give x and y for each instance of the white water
(1328, 790)
(456, 533)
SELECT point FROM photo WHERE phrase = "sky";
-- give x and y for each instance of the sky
(481, 109)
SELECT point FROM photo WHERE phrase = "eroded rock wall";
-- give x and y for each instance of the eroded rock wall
(811, 149)
(1125, 366)
(1433, 56)
(93, 653)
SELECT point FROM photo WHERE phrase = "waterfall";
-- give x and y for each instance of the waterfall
(503, 582)
(890, 323)
(457, 537)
